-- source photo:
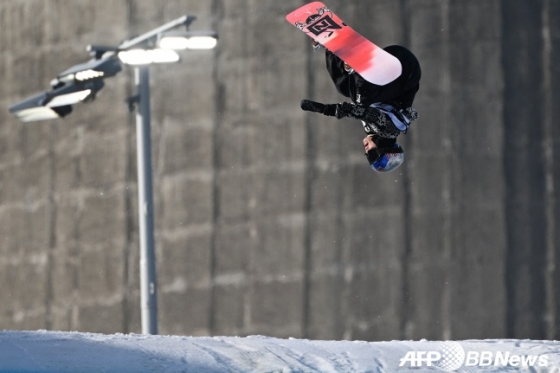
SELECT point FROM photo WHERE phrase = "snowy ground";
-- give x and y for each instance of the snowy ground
(78, 352)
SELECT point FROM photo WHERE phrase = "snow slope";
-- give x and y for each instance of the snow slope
(60, 352)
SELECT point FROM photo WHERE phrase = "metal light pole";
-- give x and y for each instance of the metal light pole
(148, 284)
(148, 277)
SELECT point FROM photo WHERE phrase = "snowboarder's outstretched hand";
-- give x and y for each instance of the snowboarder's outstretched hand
(341, 110)
(318, 107)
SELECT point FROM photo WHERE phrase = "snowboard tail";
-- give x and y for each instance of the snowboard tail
(367, 59)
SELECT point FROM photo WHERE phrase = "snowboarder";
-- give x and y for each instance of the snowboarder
(385, 111)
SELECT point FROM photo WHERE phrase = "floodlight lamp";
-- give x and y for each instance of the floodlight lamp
(164, 55)
(69, 98)
(174, 42)
(43, 113)
(32, 109)
(188, 40)
(56, 103)
(146, 57)
(202, 42)
(135, 57)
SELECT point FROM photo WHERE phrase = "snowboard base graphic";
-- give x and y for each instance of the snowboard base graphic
(367, 59)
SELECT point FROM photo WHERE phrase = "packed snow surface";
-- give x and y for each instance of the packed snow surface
(61, 352)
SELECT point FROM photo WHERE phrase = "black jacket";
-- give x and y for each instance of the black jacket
(399, 93)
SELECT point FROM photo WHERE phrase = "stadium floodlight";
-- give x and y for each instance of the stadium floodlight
(56, 103)
(147, 57)
(30, 110)
(135, 57)
(198, 40)
(202, 42)
(76, 84)
(174, 42)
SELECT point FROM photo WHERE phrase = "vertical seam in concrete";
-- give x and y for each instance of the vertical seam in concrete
(550, 199)
(343, 320)
(308, 177)
(49, 294)
(510, 295)
(129, 231)
(407, 203)
(347, 312)
(220, 106)
(340, 290)
(76, 237)
(447, 177)
(52, 230)
(129, 224)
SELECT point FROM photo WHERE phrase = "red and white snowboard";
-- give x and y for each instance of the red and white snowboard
(367, 59)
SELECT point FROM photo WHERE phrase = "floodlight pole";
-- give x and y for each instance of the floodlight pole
(35, 108)
(148, 284)
(148, 277)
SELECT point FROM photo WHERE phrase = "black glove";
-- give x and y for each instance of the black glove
(317, 107)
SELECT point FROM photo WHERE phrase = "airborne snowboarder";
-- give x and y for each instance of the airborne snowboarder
(385, 110)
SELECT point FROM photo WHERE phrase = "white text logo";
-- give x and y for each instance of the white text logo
(451, 356)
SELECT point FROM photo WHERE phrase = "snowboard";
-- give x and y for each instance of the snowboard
(367, 59)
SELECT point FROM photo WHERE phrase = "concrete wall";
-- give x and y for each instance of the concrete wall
(268, 220)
